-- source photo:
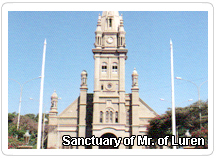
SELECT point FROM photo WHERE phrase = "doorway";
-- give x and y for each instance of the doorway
(108, 135)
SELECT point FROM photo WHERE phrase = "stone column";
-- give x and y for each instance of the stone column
(82, 106)
(122, 112)
(135, 108)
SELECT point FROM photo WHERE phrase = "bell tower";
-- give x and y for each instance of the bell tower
(109, 76)
(109, 54)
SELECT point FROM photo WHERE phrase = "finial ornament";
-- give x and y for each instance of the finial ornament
(54, 95)
(134, 72)
(45, 41)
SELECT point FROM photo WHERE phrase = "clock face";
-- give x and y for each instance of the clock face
(110, 40)
(109, 86)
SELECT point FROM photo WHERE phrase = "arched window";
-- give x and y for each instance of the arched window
(107, 116)
(111, 116)
(54, 104)
(84, 80)
(104, 67)
(110, 22)
(116, 117)
(101, 87)
(101, 116)
(114, 67)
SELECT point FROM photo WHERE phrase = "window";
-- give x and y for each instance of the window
(54, 104)
(84, 80)
(114, 67)
(110, 22)
(107, 116)
(101, 116)
(101, 87)
(116, 117)
(111, 116)
(104, 67)
(134, 80)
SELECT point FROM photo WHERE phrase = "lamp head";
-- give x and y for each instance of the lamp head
(178, 78)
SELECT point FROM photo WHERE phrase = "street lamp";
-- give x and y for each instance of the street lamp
(163, 99)
(20, 100)
(198, 89)
(187, 134)
(26, 137)
(179, 103)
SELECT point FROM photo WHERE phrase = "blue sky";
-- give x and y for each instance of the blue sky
(70, 38)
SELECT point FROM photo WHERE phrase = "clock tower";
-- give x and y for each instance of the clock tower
(109, 112)
(109, 79)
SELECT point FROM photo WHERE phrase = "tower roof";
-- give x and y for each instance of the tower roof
(84, 72)
(114, 15)
(54, 95)
(134, 72)
(110, 13)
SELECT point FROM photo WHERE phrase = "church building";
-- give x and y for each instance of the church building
(108, 112)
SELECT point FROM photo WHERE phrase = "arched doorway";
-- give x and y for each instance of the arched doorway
(108, 135)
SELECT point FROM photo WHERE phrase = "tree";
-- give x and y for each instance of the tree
(186, 118)
(27, 122)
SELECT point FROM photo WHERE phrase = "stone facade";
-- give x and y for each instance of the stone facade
(108, 111)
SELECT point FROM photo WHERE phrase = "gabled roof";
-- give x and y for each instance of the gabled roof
(147, 106)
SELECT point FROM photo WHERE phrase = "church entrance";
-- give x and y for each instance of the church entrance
(108, 135)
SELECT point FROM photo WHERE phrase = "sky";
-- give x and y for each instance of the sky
(70, 39)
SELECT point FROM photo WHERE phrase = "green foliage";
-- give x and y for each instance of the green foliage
(32, 116)
(13, 143)
(11, 116)
(201, 133)
(186, 118)
(27, 122)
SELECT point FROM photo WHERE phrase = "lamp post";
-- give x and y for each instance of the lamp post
(172, 92)
(41, 97)
(20, 100)
(198, 89)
